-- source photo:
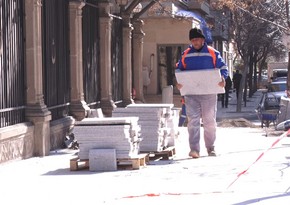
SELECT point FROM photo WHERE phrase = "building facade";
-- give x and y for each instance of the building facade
(60, 59)
(166, 30)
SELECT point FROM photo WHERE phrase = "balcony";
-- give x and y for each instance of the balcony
(202, 7)
(221, 26)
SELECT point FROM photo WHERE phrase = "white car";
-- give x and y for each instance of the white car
(277, 89)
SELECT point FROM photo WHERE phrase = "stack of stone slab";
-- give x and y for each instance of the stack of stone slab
(121, 134)
(172, 123)
(156, 124)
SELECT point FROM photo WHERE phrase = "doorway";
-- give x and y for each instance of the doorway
(168, 56)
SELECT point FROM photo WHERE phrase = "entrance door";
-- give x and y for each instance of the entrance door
(168, 56)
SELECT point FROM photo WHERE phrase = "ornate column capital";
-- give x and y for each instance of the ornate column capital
(105, 8)
(138, 28)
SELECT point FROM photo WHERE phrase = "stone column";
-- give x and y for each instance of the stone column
(107, 103)
(138, 36)
(78, 107)
(127, 63)
(36, 111)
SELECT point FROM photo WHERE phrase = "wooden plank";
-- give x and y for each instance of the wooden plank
(122, 163)
(165, 154)
(135, 162)
(78, 164)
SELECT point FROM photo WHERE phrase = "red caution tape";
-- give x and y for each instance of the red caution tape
(166, 194)
(260, 156)
(149, 195)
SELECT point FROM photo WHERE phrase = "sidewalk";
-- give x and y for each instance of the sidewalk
(264, 174)
(247, 112)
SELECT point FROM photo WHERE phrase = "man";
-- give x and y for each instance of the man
(237, 81)
(199, 56)
(225, 96)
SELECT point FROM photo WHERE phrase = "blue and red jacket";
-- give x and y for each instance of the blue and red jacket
(206, 58)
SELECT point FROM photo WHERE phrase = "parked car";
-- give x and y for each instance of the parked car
(277, 89)
(283, 72)
(284, 78)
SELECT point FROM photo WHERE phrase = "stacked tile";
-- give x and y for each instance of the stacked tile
(170, 118)
(153, 119)
(172, 123)
(121, 134)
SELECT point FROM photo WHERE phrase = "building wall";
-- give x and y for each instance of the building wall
(16, 142)
(40, 134)
(58, 130)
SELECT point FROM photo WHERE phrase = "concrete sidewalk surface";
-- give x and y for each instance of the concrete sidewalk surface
(250, 168)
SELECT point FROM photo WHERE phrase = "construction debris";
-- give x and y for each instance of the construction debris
(240, 122)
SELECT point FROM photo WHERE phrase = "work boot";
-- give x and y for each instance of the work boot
(211, 152)
(194, 154)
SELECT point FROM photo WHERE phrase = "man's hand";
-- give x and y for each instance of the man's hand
(179, 86)
(222, 83)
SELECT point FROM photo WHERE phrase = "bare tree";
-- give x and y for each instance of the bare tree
(258, 26)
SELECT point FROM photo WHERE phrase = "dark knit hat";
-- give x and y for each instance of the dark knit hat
(195, 33)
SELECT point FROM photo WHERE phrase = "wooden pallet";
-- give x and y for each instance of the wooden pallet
(133, 163)
(165, 154)
(137, 162)
(78, 164)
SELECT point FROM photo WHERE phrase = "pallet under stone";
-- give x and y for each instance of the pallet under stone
(137, 162)
(165, 154)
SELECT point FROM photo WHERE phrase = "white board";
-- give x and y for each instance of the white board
(199, 82)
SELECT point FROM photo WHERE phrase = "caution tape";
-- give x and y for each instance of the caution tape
(167, 194)
(260, 156)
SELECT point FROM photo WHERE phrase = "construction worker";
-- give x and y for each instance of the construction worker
(182, 116)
